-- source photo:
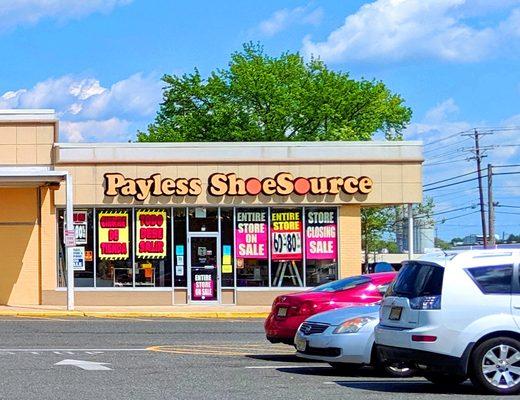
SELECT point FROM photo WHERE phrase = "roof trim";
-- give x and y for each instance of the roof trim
(28, 115)
(233, 152)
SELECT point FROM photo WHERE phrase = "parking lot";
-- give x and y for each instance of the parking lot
(58, 358)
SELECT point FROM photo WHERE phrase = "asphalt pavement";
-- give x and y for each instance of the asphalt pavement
(139, 358)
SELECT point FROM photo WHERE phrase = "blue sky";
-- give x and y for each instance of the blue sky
(456, 62)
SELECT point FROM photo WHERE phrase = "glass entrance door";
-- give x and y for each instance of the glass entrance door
(204, 269)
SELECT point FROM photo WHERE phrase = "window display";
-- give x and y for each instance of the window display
(259, 246)
(114, 258)
(321, 245)
(153, 248)
(251, 246)
(286, 247)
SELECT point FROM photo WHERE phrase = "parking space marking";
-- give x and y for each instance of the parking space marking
(284, 366)
(60, 351)
(235, 349)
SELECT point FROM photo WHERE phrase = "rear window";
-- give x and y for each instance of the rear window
(493, 279)
(342, 284)
(416, 279)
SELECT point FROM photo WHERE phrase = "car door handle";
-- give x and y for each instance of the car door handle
(516, 307)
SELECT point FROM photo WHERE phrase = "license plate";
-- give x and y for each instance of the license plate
(395, 313)
(301, 344)
(282, 312)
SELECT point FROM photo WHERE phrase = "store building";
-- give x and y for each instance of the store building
(179, 223)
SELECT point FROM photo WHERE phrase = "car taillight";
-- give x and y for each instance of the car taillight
(275, 301)
(424, 338)
(426, 303)
(307, 308)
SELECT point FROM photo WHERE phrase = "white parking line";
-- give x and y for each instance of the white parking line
(282, 366)
(59, 351)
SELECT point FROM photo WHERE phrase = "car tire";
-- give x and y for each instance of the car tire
(442, 379)
(492, 363)
(345, 368)
(399, 371)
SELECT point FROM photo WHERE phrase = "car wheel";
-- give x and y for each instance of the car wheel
(345, 368)
(443, 379)
(399, 370)
(495, 366)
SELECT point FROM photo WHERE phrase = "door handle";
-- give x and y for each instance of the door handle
(516, 307)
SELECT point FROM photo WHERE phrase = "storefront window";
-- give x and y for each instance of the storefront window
(203, 219)
(83, 227)
(180, 241)
(226, 242)
(114, 250)
(153, 248)
(252, 247)
(286, 247)
(321, 245)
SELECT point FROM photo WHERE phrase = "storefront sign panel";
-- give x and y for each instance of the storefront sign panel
(80, 226)
(286, 235)
(151, 233)
(203, 287)
(321, 235)
(251, 234)
(78, 258)
(113, 235)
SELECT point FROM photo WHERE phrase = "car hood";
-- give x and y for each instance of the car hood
(339, 315)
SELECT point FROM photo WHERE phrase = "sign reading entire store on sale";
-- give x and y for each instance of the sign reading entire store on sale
(151, 234)
(286, 235)
(251, 234)
(113, 235)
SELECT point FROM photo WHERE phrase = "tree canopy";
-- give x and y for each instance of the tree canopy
(263, 98)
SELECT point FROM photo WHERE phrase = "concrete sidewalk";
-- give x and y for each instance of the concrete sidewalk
(179, 311)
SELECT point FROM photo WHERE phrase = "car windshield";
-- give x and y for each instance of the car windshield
(416, 279)
(342, 284)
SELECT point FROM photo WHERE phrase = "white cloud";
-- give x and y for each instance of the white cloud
(391, 30)
(90, 111)
(441, 111)
(95, 131)
(284, 18)
(26, 12)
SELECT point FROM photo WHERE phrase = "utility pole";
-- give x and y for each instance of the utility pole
(479, 156)
(491, 206)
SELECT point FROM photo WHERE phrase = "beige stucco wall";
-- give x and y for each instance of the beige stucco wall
(19, 246)
(394, 183)
(26, 143)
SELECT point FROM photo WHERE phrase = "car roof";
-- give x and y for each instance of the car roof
(466, 258)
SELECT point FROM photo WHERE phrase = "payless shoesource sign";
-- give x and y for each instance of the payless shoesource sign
(282, 184)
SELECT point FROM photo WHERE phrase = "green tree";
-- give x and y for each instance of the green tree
(263, 98)
(441, 244)
(375, 222)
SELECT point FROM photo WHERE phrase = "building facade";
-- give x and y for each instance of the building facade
(186, 223)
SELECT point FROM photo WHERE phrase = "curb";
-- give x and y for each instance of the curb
(135, 314)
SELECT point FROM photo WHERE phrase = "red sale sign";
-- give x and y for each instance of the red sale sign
(321, 235)
(251, 234)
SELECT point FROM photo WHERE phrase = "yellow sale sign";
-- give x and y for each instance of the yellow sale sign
(151, 234)
(113, 235)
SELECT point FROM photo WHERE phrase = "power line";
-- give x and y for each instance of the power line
(444, 162)
(450, 184)
(457, 216)
(449, 179)
(445, 138)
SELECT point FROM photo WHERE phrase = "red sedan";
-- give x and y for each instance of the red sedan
(290, 310)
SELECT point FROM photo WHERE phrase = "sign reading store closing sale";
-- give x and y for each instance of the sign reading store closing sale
(320, 235)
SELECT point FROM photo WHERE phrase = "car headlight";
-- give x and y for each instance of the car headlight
(353, 325)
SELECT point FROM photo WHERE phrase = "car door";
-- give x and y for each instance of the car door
(515, 298)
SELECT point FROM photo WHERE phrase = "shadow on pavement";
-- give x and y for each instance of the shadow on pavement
(408, 386)
(286, 358)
